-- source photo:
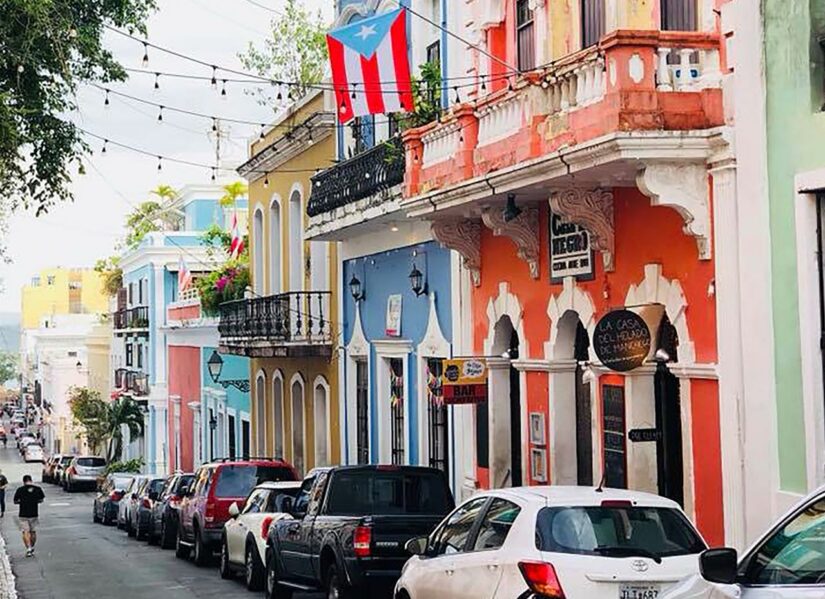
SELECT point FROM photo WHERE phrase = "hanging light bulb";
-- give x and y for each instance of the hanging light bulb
(160, 114)
(214, 78)
(213, 173)
(145, 61)
(223, 89)
(214, 124)
(160, 163)
(157, 84)
(343, 106)
(280, 95)
(461, 136)
(262, 131)
(103, 149)
(509, 84)
(266, 181)
(106, 100)
(483, 85)
(457, 96)
(20, 68)
(353, 90)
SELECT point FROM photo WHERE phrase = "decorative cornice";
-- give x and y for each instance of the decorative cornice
(683, 187)
(463, 236)
(522, 230)
(593, 210)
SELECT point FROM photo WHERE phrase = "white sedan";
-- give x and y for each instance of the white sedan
(243, 543)
(33, 453)
(556, 542)
(787, 562)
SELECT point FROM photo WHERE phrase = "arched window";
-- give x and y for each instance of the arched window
(258, 252)
(275, 246)
(297, 405)
(260, 414)
(278, 413)
(296, 242)
(321, 420)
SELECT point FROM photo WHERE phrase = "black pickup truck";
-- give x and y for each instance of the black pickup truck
(348, 529)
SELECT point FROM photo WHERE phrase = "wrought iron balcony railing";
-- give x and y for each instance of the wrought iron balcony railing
(378, 169)
(254, 327)
(131, 318)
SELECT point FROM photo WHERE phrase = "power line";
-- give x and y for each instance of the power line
(266, 8)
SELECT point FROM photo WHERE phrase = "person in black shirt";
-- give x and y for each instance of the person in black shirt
(29, 497)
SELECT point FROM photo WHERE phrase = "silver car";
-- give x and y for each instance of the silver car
(85, 471)
(33, 453)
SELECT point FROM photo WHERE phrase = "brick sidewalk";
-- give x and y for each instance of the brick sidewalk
(7, 587)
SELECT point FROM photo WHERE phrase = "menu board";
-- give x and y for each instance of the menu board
(615, 448)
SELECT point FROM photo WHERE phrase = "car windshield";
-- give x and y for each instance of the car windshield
(385, 492)
(184, 480)
(239, 480)
(156, 486)
(616, 531)
(91, 462)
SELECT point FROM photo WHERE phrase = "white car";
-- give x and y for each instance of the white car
(787, 562)
(243, 543)
(33, 453)
(556, 542)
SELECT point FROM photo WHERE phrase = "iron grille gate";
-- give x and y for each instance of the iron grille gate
(437, 417)
(397, 410)
(362, 412)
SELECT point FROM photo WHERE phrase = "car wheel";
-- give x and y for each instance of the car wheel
(130, 530)
(201, 556)
(181, 550)
(336, 587)
(140, 531)
(253, 569)
(69, 487)
(273, 589)
(224, 568)
(166, 539)
(95, 518)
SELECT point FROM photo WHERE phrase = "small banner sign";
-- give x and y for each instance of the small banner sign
(622, 340)
(393, 328)
(464, 381)
(570, 252)
(644, 435)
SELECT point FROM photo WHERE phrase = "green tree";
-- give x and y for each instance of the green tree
(232, 192)
(91, 413)
(47, 49)
(9, 366)
(296, 52)
(111, 273)
(122, 412)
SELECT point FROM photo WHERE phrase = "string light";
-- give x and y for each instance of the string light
(145, 61)
(262, 130)
(266, 181)
(280, 95)
(160, 114)
(483, 84)
(223, 89)
(106, 100)
(157, 84)
(353, 90)
(214, 124)
(214, 77)
(160, 163)
(343, 106)
(213, 173)
(20, 68)
(103, 149)
(457, 96)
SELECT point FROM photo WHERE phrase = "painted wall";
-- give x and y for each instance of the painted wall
(45, 298)
(234, 368)
(185, 384)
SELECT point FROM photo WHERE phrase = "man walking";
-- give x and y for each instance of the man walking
(3, 484)
(29, 497)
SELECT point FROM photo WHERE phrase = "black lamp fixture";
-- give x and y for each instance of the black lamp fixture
(511, 210)
(355, 288)
(213, 423)
(215, 365)
(417, 282)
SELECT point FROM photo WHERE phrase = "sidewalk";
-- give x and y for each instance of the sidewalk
(7, 587)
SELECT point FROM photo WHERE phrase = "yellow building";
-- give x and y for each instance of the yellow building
(62, 291)
(289, 327)
(98, 357)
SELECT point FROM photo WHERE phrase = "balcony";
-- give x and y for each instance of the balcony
(363, 185)
(131, 381)
(632, 81)
(287, 325)
(131, 320)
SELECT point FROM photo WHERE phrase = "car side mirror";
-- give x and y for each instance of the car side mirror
(234, 510)
(719, 565)
(417, 546)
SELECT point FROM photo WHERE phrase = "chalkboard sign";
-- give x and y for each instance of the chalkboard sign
(621, 340)
(615, 450)
(571, 254)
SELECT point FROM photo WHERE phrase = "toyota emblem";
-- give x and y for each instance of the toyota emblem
(639, 565)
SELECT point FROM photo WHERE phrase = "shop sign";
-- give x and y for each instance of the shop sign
(622, 340)
(464, 381)
(571, 254)
(645, 435)
(394, 316)
(613, 426)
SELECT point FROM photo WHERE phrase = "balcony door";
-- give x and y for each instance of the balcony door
(296, 242)
(679, 15)
(525, 36)
(258, 252)
(275, 247)
(592, 22)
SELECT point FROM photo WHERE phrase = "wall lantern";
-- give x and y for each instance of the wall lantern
(215, 365)
(419, 286)
(355, 289)
(511, 210)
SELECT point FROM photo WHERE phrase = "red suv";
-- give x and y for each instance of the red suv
(216, 486)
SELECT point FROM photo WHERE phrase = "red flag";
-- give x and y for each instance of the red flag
(236, 245)
(184, 277)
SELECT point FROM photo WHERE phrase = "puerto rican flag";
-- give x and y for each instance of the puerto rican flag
(371, 66)
(236, 245)
(184, 277)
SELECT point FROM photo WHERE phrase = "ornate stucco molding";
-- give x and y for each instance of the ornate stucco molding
(522, 230)
(536, 4)
(463, 236)
(593, 210)
(683, 187)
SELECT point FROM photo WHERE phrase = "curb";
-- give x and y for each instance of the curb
(7, 586)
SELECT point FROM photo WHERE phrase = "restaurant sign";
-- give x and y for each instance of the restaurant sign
(571, 254)
(464, 381)
(622, 340)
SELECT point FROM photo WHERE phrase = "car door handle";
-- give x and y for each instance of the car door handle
(449, 572)
(492, 567)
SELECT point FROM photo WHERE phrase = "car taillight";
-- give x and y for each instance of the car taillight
(115, 496)
(71, 470)
(147, 503)
(542, 580)
(174, 500)
(617, 504)
(208, 513)
(265, 526)
(361, 541)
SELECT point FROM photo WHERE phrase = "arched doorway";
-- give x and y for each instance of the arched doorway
(584, 409)
(669, 460)
(260, 414)
(258, 251)
(278, 413)
(321, 423)
(506, 344)
(275, 246)
(297, 405)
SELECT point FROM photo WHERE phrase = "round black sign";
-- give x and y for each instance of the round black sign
(621, 340)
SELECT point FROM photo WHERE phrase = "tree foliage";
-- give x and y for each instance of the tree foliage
(9, 366)
(48, 48)
(103, 422)
(111, 273)
(232, 192)
(296, 52)
(123, 413)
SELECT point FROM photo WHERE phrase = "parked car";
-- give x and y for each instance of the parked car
(557, 542)
(243, 545)
(350, 527)
(112, 489)
(84, 471)
(141, 510)
(127, 503)
(787, 562)
(218, 485)
(33, 453)
(24, 440)
(163, 526)
(60, 469)
(47, 473)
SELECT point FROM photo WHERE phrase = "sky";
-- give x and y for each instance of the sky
(77, 234)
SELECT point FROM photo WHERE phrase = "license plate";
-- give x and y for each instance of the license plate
(638, 591)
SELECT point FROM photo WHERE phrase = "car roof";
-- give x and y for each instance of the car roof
(249, 462)
(291, 484)
(122, 474)
(580, 496)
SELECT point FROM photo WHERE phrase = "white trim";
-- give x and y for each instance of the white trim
(505, 304)
(321, 383)
(384, 351)
(357, 350)
(433, 345)
(258, 251)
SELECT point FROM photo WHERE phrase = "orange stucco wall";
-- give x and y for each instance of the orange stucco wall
(184, 382)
